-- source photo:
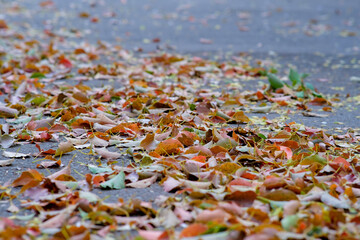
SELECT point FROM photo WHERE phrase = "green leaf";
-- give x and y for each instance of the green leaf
(215, 229)
(192, 106)
(273, 70)
(262, 135)
(140, 89)
(227, 143)
(72, 185)
(37, 75)
(289, 222)
(38, 100)
(117, 182)
(315, 158)
(95, 169)
(146, 160)
(189, 129)
(317, 94)
(304, 75)
(205, 205)
(309, 86)
(300, 94)
(84, 215)
(91, 197)
(274, 81)
(139, 238)
(223, 115)
(24, 217)
(294, 77)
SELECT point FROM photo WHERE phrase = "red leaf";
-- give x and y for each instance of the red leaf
(66, 62)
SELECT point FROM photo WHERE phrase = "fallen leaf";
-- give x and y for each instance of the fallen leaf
(8, 162)
(15, 154)
(64, 147)
(117, 182)
(193, 230)
(104, 153)
(169, 146)
(6, 141)
(143, 183)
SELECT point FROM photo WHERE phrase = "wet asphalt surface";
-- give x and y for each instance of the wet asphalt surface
(321, 38)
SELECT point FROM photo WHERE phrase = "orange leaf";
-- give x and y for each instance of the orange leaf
(287, 151)
(97, 180)
(201, 159)
(218, 149)
(27, 177)
(340, 163)
(169, 146)
(125, 128)
(79, 123)
(148, 142)
(203, 151)
(240, 117)
(248, 175)
(193, 230)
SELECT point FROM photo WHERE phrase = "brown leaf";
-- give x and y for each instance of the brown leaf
(242, 198)
(274, 182)
(187, 138)
(280, 195)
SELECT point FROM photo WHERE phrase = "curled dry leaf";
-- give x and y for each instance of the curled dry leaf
(7, 112)
(143, 183)
(13, 208)
(14, 154)
(7, 162)
(64, 147)
(104, 153)
(65, 171)
(49, 164)
(6, 141)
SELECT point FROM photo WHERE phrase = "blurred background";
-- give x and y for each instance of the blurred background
(225, 27)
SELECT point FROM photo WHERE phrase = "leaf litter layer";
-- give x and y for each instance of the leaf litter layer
(187, 124)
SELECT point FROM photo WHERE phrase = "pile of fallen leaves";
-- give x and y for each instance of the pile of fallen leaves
(187, 124)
